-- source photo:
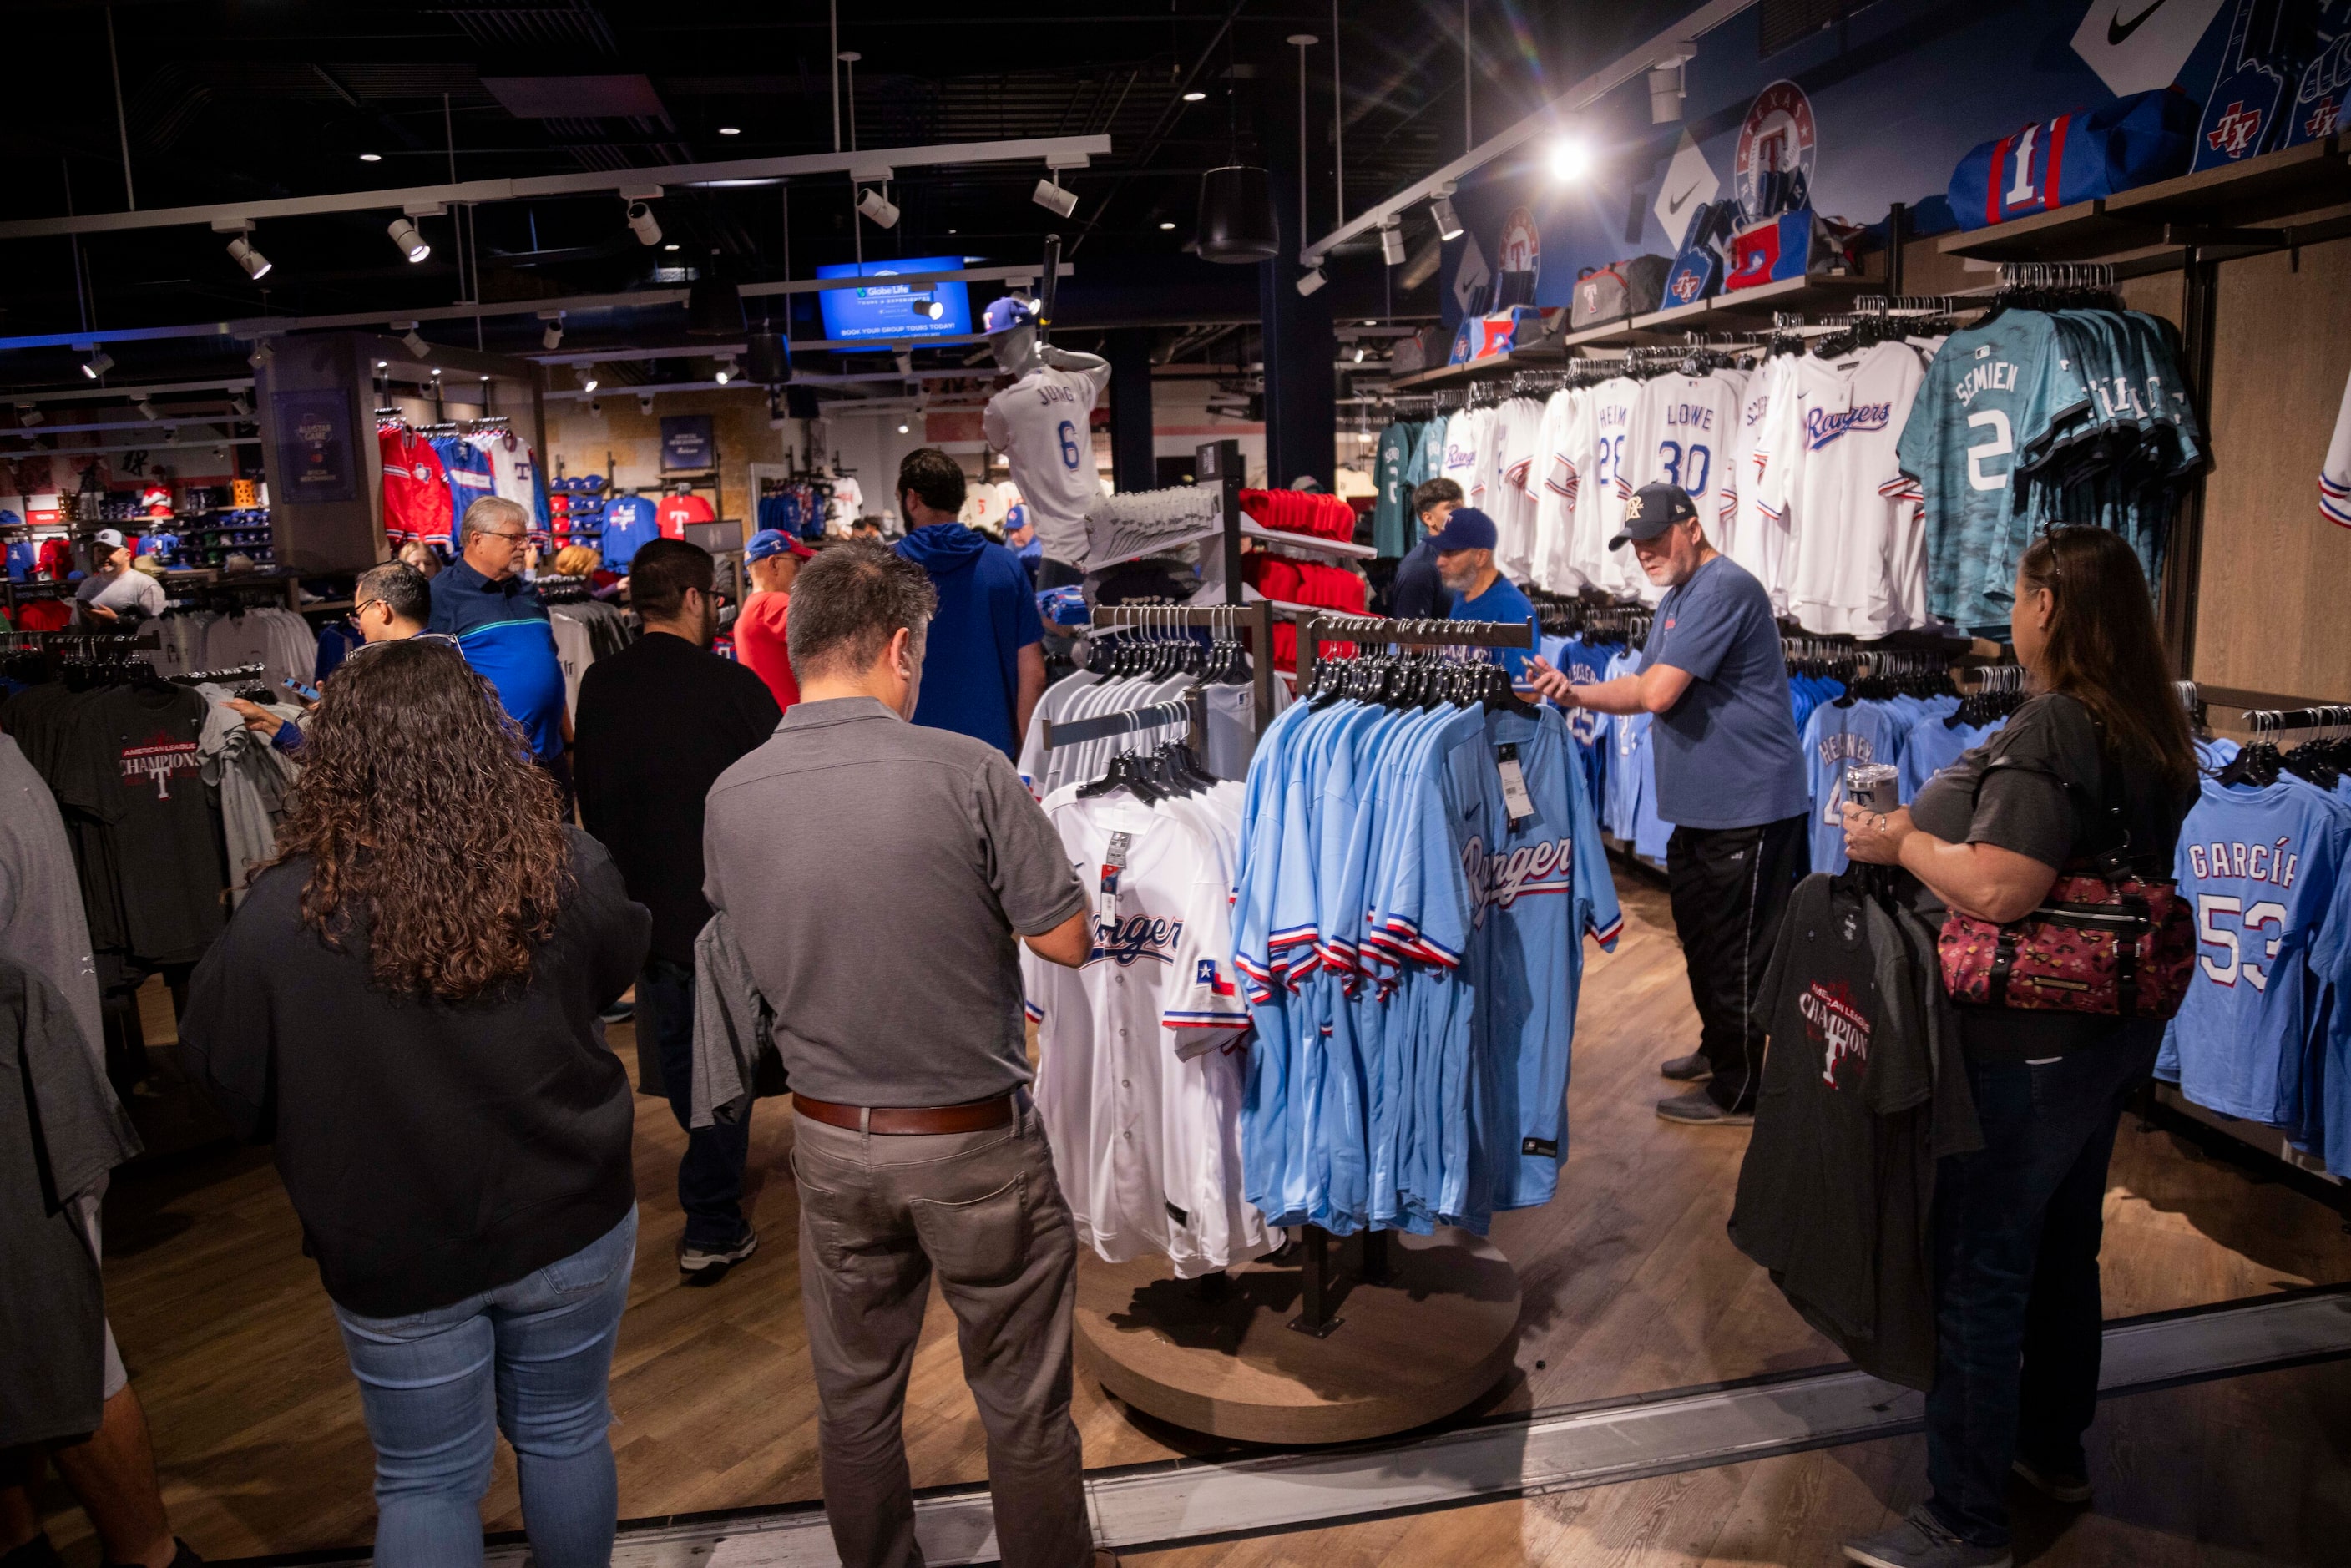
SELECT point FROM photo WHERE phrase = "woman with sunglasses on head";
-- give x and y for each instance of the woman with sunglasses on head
(405, 1004)
(2018, 1223)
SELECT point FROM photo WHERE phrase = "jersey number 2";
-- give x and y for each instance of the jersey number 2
(1069, 433)
(2001, 444)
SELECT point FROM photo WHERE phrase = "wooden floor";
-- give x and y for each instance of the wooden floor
(1630, 1286)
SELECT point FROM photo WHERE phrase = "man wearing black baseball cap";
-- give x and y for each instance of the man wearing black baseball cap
(1731, 779)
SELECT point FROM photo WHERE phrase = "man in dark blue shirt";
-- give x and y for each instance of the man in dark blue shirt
(983, 665)
(497, 619)
(1417, 592)
(1731, 778)
(1465, 563)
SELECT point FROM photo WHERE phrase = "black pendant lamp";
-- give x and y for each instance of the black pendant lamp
(713, 305)
(769, 360)
(1236, 218)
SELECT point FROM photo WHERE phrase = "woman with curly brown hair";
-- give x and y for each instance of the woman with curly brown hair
(406, 1005)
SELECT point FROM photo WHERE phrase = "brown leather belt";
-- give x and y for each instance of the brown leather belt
(897, 1121)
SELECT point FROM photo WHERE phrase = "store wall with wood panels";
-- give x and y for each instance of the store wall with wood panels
(2274, 596)
(739, 429)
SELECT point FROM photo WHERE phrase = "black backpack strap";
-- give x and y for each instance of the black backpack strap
(2112, 859)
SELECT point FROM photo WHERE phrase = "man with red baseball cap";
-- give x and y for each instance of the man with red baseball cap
(773, 558)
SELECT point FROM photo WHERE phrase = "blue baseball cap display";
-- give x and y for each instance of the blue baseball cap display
(770, 542)
(1653, 510)
(1467, 528)
(1007, 313)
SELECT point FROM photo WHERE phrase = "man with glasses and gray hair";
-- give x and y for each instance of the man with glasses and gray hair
(886, 945)
(497, 619)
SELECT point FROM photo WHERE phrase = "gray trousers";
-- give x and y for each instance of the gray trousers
(878, 1215)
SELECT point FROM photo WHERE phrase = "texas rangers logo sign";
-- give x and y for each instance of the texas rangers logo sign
(1521, 248)
(1136, 936)
(1780, 137)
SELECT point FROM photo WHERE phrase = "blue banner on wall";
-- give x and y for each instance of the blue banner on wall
(1878, 112)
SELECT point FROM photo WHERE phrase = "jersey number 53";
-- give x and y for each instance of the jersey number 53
(2250, 921)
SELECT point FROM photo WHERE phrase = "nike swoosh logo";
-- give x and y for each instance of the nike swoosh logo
(2117, 29)
(1675, 206)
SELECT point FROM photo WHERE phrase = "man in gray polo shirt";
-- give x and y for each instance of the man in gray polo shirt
(881, 929)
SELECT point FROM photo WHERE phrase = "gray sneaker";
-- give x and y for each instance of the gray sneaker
(698, 1260)
(1921, 1542)
(1697, 1108)
(1691, 1069)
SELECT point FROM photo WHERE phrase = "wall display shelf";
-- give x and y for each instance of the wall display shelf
(1748, 310)
(1252, 529)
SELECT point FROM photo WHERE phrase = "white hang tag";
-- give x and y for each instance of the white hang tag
(1514, 785)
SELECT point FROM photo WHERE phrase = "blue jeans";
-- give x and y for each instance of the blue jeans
(2018, 1318)
(531, 1360)
(710, 1175)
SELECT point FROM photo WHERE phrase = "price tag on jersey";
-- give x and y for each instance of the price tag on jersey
(1514, 785)
(1114, 863)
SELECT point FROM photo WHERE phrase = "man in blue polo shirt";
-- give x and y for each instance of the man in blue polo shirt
(1731, 779)
(503, 629)
(1465, 563)
(983, 665)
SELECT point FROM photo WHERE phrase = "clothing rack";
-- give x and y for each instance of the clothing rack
(1192, 708)
(206, 677)
(1314, 631)
(1255, 618)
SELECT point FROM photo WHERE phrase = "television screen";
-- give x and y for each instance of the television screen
(883, 308)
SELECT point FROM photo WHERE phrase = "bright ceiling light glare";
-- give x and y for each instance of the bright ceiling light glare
(411, 243)
(98, 364)
(730, 131)
(1570, 160)
(1311, 281)
(1195, 96)
(370, 157)
(1391, 245)
(1167, 225)
(644, 224)
(902, 430)
(241, 251)
(726, 372)
(1053, 199)
(879, 208)
(1448, 227)
(587, 374)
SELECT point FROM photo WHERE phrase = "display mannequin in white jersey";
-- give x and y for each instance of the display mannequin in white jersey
(1040, 425)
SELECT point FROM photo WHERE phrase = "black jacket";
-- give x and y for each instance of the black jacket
(1864, 1089)
(434, 1151)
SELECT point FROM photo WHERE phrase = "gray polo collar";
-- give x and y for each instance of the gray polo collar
(836, 710)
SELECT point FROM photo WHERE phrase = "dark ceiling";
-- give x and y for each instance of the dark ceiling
(231, 99)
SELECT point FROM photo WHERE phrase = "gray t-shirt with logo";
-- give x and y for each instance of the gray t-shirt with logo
(875, 873)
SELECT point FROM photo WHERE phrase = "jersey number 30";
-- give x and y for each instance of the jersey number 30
(1068, 435)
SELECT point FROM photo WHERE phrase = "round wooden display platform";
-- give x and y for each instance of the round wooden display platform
(1219, 1356)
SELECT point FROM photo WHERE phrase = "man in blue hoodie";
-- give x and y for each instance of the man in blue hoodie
(983, 669)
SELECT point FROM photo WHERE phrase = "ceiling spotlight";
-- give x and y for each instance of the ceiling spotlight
(146, 409)
(1167, 225)
(28, 415)
(726, 372)
(241, 251)
(1195, 96)
(1666, 85)
(415, 341)
(587, 374)
(1359, 353)
(370, 157)
(878, 207)
(905, 362)
(1569, 159)
(669, 247)
(1448, 226)
(98, 364)
(596, 405)
(411, 243)
(552, 338)
(645, 403)
(642, 223)
(1049, 195)
(170, 432)
(1391, 245)
(730, 131)
(902, 430)
(241, 406)
(263, 353)
(1311, 281)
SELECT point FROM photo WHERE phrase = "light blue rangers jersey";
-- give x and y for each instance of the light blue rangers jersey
(1934, 744)
(1995, 399)
(2260, 867)
(1837, 738)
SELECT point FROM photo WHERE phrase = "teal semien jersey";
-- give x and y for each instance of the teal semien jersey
(1999, 398)
(1391, 473)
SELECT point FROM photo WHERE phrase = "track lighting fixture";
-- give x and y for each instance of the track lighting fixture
(1311, 281)
(1391, 245)
(725, 374)
(98, 364)
(902, 429)
(411, 243)
(241, 251)
(416, 341)
(241, 406)
(263, 353)
(1195, 96)
(929, 307)
(1049, 195)
(1360, 351)
(587, 374)
(1667, 85)
(878, 207)
(552, 338)
(1448, 227)
(644, 224)
(370, 157)
(905, 362)
(146, 409)
(645, 403)
(29, 415)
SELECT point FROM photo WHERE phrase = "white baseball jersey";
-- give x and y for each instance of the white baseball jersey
(1519, 422)
(1549, 487)
(1040, 425)
(1598, 451)
(2334, 479)
(1856, 553)
(512, 470)
(1460, 461)
(1139, 1052)
(1756, 539)
(1681, 432)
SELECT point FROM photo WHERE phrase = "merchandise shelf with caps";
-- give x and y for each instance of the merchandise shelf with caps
(1745, 309)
